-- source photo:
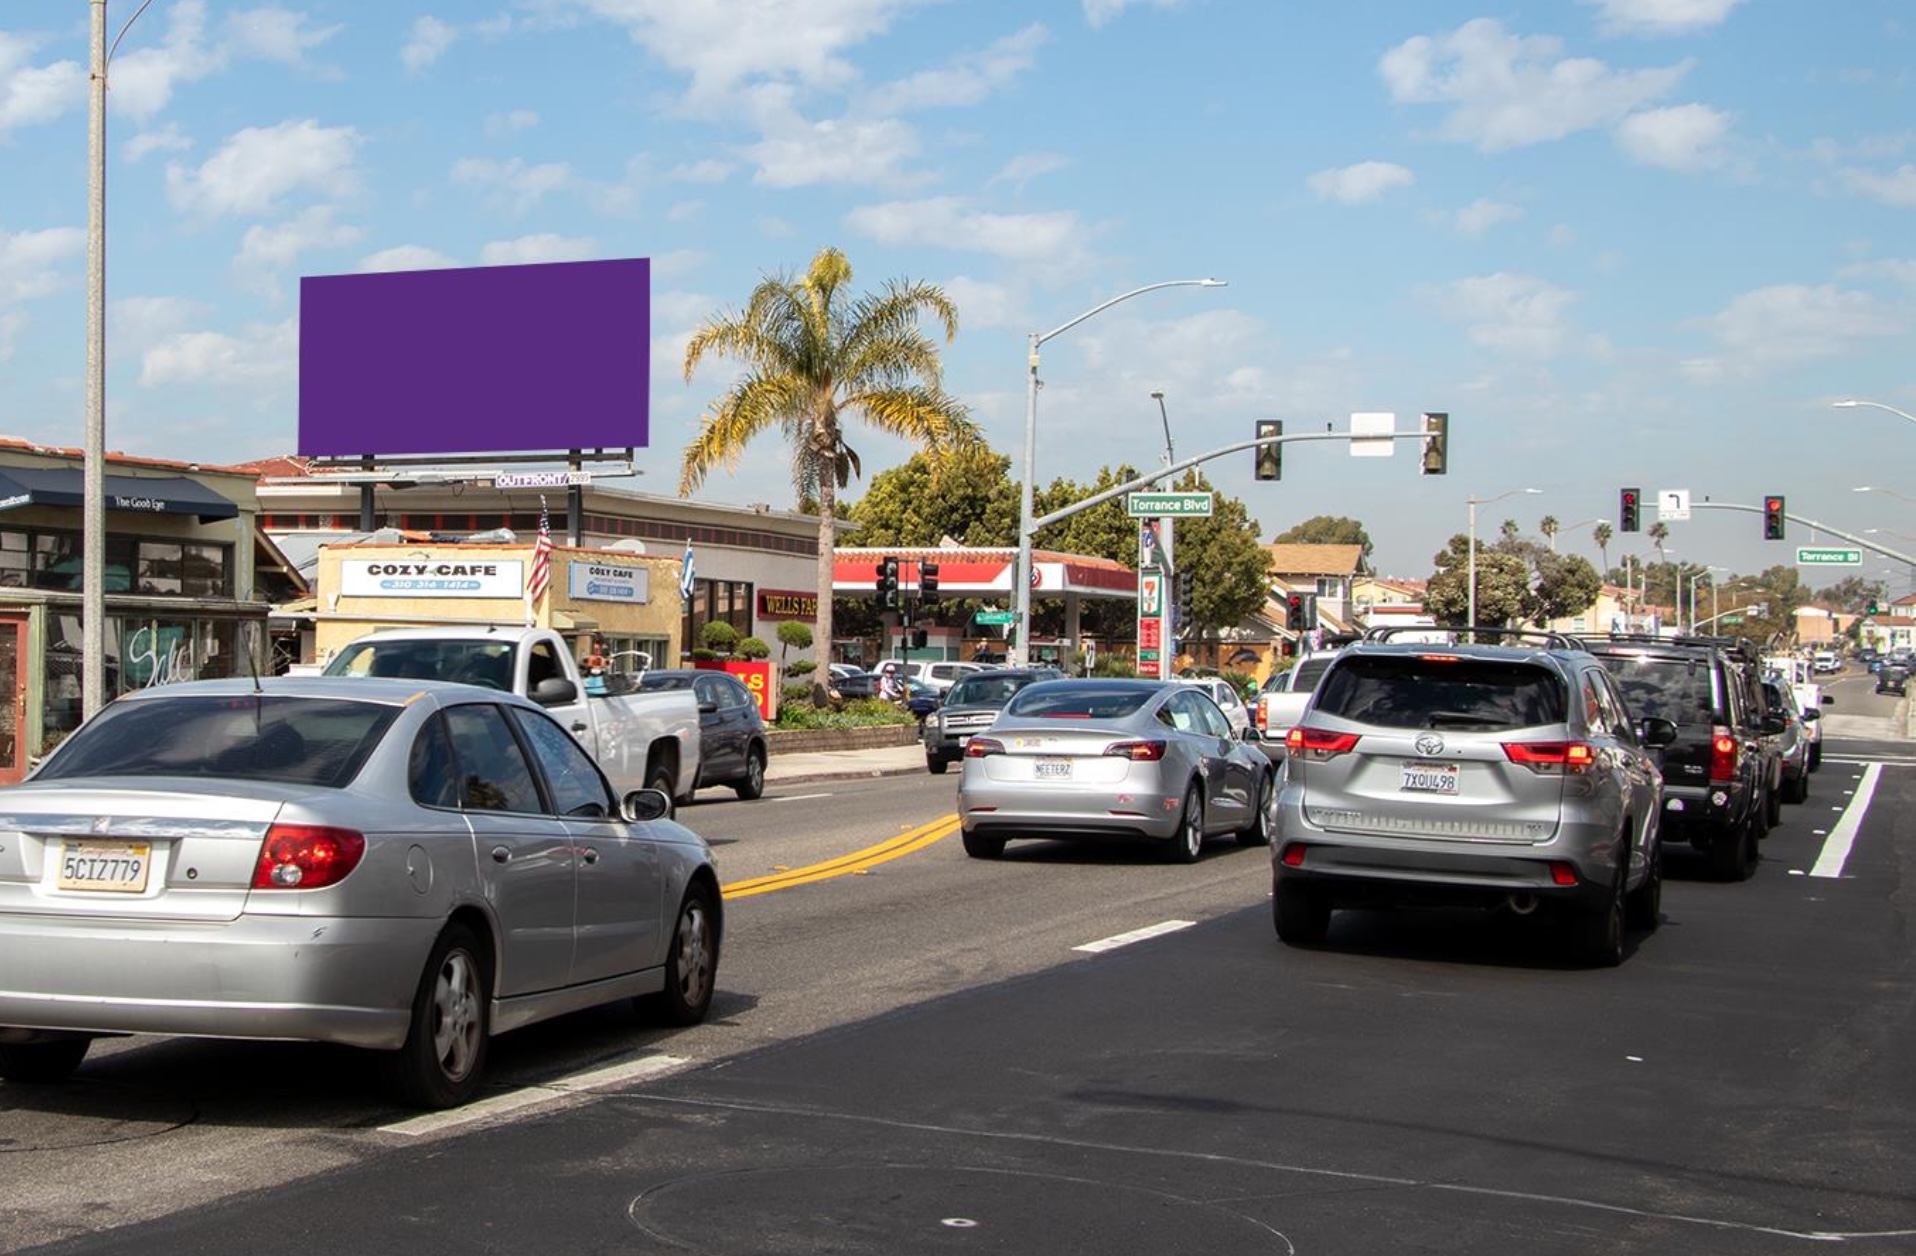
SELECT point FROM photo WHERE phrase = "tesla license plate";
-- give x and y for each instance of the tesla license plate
(118, 867)
(1052, 769)
(1430, 778)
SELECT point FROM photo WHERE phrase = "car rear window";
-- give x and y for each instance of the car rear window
(1309, 672)
(1078, 702)
(264, 737)
(1674, 689)
(1443, 691)
(986, 690)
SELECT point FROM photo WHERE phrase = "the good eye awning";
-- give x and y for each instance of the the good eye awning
(65, 486)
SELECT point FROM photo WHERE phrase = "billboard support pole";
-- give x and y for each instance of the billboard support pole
(367, 522)
(575, 500)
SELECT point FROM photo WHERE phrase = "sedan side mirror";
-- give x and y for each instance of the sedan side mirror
(1811, 715)
(1657, 731)
(1250, 733)
(645, 804)
(1775, 722)
(1829, 699)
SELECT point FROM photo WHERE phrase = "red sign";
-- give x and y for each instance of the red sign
(1150, 633)
(756, 676)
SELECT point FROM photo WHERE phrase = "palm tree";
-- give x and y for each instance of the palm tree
(813, 353)
(1601, 535)
(1549, 526)
(1659, 532)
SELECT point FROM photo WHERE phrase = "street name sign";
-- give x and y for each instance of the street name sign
(1830, 557)
(1168, 505)
(995, 618)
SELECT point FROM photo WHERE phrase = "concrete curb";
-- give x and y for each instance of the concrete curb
(813, 778)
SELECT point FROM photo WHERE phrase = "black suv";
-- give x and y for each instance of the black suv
(1722, 772)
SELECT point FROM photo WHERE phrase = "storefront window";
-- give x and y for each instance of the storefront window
(156, 652)
(52, 560)
(159, 567)
(14, 560)
(726, 600)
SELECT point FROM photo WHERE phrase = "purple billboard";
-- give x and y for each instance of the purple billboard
(488, 359)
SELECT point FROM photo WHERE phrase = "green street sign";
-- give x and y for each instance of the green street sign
(1168, 505)
(1732, 619)
(994, 618)
(1147, 656)
(1830, 557)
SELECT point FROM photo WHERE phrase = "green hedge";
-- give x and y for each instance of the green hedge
(862, 713)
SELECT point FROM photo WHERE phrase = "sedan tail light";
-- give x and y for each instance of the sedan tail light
(1724, 752)
(1318, 744)
(1551, 758)
(306, 857)
(1137, 751)
(979, 747)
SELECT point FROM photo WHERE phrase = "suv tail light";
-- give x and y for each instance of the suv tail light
(1136, 751)
(979, 747)
(1551, 758)
(306, 857)
(1724, 752)
(1318, 744)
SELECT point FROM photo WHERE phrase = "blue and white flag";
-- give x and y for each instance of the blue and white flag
(686, 573)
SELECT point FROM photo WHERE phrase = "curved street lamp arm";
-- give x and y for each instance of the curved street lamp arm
(1852, 402)
(1126, 296)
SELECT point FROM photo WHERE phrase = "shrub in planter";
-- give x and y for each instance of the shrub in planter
(719, 637)
(753, 648)
(703, 655)
(804, 667)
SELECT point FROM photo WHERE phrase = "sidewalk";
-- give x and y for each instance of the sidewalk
(844, 765)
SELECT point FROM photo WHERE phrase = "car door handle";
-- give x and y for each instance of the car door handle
(590, 854)
(500, 854)
(578, 726)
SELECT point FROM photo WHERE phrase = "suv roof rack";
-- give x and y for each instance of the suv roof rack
(1549, 640)
(1742, 647)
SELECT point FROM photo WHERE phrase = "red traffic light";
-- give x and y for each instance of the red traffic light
(1773, 503)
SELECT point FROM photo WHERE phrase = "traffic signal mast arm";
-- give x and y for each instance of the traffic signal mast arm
(1146, 481)
(1860, 542)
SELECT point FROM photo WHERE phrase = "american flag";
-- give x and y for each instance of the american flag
(541, 557)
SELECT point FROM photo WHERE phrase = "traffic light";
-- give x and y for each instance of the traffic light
(1295, 610)
(1773, 517)
(1627, 502)
(928, 582)
(1185, 585)
(1874, 608)
(1436, 445)
(888, 584)
(1270, 458)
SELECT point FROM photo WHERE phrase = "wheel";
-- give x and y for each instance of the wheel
(1773, 806)
(753, 786)
(1643, 906)
(1258, 831)
(1188, 841)
(659, 777)
(1301, 915)
(1596, 934)
(1816, 756)
(445, 1051)
(691, 965)
(936, 764)
(1761, 813)
(978, 846)
(1734, 856)
(36, 1063)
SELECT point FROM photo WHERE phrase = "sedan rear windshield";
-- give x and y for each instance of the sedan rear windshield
(1677, 690)
(298, 741)
(1079, 702)
(1446, 691)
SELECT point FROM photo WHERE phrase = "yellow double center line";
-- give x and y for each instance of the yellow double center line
(858, 861)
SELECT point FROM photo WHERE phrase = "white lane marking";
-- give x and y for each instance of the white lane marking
(1843, 836)
(1117, 940)
(1895, 761)
(643, 1068)
(796, 797)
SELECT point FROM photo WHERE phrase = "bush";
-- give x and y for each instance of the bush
(804, 667)
(794, 635)
(754, 648)
(863, 713)
(703, 655)
(720, 636)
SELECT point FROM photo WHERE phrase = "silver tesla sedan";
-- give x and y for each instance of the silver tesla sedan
(405, 866)
(1102, 759)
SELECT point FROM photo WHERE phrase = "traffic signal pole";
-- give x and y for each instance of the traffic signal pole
(1838, 533)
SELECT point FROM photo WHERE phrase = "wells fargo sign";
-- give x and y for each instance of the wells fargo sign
(787, 604)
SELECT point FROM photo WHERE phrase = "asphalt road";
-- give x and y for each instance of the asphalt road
(912, 1056)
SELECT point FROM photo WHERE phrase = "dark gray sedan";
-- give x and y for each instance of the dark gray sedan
(1113, 759)
(406, 866)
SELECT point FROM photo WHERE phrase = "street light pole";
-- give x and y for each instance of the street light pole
(1474, 502)
(93, 479)
(1850, 403)
(1021, 573)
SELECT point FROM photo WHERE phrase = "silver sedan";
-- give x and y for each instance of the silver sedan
(1102, 759)
(404, 866)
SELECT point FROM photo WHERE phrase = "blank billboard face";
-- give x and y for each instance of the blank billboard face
(486, 359)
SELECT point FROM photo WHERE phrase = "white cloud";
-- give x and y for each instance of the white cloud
(773, 227)
(428, 42)
(30, 261)
(1684, 138)
(259, 166)
(1099, 12)
(12, 322)
(543, 247)
(1359, 184)
(1660, 17)
(1481, 215)
(500, 125)
(1518, 314)
(404, 257)
(968, 79)
(1896, 188)
(1025, 167)
(136, 324)
(982, 303)
(1563, 235)
(675, 264)
(169, 139)
(515, 185)
(1898, 270)
(265, 251)
(844, 150)
(946, 222)
(145, 75)
(273, 34)
(1508, 91)
(1790, 323)
(33, 94)
(263, 354)
(706, 170)
(685, 211)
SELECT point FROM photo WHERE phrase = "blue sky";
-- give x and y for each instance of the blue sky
(1635, 242)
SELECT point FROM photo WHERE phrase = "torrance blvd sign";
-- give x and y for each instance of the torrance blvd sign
(1830, 557)
(1168, 505)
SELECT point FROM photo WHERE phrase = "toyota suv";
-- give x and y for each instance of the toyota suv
(1719, 773)
(1509, 775)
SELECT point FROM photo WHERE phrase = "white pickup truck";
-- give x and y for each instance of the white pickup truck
(1284, 698)
(641, 740)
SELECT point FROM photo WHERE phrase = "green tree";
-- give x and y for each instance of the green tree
(967, 494)
(1326, 530)
(1549, 526)
(1104, 531)
(1601, 534)
(1658, 532)
(1854, 594)
(815, 354)
(1503, 585)
(793, 635)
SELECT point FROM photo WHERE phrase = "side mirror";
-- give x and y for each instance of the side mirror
(642, 805)
(1657, 731)
(1811, 715)
(1250, 733)
(554, 691)
(1829, 699)
(1775, 722)
(708, 708)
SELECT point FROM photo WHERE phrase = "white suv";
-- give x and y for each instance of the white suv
(940, 674)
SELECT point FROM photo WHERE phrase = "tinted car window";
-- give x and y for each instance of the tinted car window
(655, 682)
(1673, 689)
(1448, 691)
(576, 787)
(1309, 672)
(494, 772)
(1080, 702)
(431, 773)
(985, 690)
(260, 737)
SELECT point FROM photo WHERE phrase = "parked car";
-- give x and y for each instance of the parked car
(399, 865)
(1718, 773)
(970, 706)
(940, 674)
(1118, 759)
(1792, 744)
(731, 729)
(858, 685)
(1494, 776)
(1229, 701)
(922, 698)
(1284, 697)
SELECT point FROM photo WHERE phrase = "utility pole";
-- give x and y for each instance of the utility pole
(93, 483)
